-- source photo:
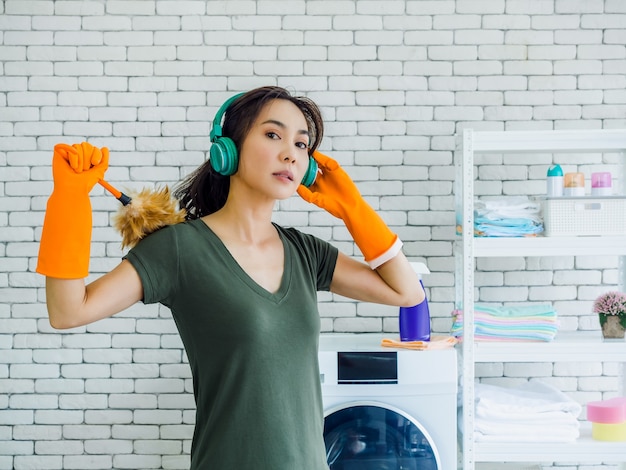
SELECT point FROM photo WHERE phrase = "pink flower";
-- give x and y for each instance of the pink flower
(611, 303)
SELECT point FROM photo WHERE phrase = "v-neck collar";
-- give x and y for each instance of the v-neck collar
(276, 297)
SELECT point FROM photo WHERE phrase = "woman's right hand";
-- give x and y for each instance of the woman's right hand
(66, 234)
(78, 167)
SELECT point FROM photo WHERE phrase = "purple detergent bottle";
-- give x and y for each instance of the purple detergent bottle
(415, 321)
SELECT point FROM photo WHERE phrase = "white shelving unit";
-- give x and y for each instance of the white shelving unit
(575, 346)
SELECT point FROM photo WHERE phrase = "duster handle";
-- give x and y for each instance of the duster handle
(120, 196)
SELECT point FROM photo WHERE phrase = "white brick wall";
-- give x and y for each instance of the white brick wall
(395, 79)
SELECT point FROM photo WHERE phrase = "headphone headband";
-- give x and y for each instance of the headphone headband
(216, 129)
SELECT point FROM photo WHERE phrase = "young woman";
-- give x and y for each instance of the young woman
(242, 289)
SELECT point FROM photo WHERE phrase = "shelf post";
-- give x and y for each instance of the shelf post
(466, 205)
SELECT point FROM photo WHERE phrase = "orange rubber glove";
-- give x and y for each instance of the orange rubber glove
(336, 193)
(66, 237)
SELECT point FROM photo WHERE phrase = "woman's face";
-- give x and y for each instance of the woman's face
(274, 155)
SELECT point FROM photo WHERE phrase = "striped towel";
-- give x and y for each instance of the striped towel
(525, 323)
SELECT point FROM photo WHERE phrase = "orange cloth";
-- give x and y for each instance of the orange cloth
(66, 237)
(336, 193)
(436, 342)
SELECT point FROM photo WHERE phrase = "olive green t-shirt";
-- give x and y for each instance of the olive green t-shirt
(253, 354)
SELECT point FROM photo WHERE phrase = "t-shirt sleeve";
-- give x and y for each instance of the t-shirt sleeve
(156, 260)
(326, 269)
(321, 256)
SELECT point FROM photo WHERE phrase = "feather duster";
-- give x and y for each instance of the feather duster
(144, 212)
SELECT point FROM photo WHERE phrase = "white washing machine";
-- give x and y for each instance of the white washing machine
(387, 408)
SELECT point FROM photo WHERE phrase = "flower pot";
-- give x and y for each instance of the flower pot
(612, 327)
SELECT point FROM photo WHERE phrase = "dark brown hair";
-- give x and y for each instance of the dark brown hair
(204, 191)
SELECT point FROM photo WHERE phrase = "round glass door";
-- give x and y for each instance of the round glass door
(361, 436)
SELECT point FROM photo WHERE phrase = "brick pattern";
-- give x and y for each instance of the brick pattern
(395, 79)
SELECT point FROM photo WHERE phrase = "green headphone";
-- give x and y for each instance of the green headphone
(223, 153)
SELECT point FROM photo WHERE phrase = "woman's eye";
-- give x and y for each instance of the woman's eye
(272, 135)
(302, 145)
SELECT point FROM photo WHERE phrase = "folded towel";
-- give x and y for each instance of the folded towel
(515, 310)
(508, 207)
(547, 319)
(531, 412)
(517, 227)
(532, 397)
(436, 342)
(523, 323)
(517, 223)
(507, 217)
(512, 428)
(516, 216)
(490, 329)
(535, 434)
(553, 417)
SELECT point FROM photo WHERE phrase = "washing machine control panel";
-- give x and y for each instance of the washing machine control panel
(366, 368)
(359, 360)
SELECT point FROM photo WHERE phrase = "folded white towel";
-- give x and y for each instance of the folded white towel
(553, 417)
(530, 434)
(516, 429)
(531, 412)
(530, 397)
(508, 207)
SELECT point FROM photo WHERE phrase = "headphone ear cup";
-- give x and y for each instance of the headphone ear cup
(311, 173)
(223, 156)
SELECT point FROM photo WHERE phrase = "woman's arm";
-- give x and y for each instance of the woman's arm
(393, 283)
(66, 239)
(389, 278)
(71, 303)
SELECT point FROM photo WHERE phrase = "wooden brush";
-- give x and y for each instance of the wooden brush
(143, 213)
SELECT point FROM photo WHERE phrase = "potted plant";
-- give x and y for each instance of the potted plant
(611, 310)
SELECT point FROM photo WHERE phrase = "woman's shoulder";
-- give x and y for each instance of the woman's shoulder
(291, 232)
(169, 233)
(300, 238)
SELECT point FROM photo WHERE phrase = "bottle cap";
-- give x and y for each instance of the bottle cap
(555, 170)
(601, 180)
(574, 180)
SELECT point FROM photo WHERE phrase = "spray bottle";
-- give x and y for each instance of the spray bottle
(555, 181)
(415, 321)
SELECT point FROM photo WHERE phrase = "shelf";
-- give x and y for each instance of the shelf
(580, 346)
(566, 347)
(604, 140)
(549, 246)
(583, 450)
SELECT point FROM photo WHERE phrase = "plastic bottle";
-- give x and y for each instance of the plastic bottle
(415, 321)
(555, 181)
(601, 184)
(574, 184)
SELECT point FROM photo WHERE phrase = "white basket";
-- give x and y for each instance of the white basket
(584, 216)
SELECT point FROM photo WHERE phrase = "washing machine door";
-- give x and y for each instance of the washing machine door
(376, 436)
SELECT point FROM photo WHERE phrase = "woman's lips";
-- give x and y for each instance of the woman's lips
(284, 174)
